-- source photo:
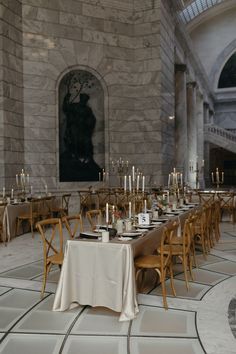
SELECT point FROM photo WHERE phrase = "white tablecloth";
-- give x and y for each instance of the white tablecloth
(98, 274)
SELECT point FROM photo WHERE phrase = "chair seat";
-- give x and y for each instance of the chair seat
(150, 261)
(55, 259)
(28, 216)
(177, 240)
(176, 249)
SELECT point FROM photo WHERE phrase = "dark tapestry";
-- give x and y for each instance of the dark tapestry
(81, 127)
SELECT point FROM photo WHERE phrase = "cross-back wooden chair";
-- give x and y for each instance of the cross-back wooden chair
(63, 208)
(31, 216)
(47, 207)
(85, 201)
(206, 198)
(94, 217)
(161, 263)
(182, 249)
(227, 203)
(52, 237)
(74, 225)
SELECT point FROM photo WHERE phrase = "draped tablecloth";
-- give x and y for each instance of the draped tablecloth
(98, 274)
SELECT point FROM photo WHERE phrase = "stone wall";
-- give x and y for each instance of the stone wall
(11, 93)
(129, 47)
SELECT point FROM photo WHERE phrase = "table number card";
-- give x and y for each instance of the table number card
(143, 219)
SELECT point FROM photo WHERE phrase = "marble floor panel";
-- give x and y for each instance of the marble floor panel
(199, 321)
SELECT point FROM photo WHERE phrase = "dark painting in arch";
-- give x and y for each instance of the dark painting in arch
(81, 127)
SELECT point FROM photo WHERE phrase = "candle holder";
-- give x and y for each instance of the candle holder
(197, 170)
(120, 168)
(175, 182)
(22, 182)
(216, 178)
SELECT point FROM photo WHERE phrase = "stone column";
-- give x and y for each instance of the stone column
(192, 132)
(207, 172)
(206, 113)
(181, 136)
(200, 138)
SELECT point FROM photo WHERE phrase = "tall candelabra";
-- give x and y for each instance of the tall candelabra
(216, 178)
(120, 168)
(197, 170)
(175, 182)
(22, 181)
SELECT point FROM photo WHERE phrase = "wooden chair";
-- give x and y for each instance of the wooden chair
(32, 216)
(85, 201)
(94, 217)
(73, 224)
(46, 207)
(63, 208)
(200, 230)
(206, 198)
(52, 237)
(3, 236)
(182, 249)
(161, 263)
(227, 203)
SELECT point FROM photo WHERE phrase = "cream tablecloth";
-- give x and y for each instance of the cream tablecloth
(98, 274)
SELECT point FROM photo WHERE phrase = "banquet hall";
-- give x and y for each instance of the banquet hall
(118, 142)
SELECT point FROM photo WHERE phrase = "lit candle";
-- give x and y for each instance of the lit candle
(212, 177)
(130, 184)
(217, 175)
(130, 208)
(168, 196)
(31, 190)
(181, 179)
(46, 189)
(145, 206)
(17, 180)
(107, 213)
(125, 183)
(3, 192)
(143, 184)
(12, 193)
(203, 163)
(28, 178)
(138, 182)
(133, 173)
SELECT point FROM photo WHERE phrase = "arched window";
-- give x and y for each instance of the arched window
(228, 75)
(81, 127)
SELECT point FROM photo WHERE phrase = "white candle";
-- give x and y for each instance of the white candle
(138, 182)
(3, 192)
(107, 213)
(130, 184)
(28, 178)
(17, 180)
(125, 183)
(143, 183)
(169, 181)
(113, 214)
(46, 189)
(133, 173)
(168, 196)
(31, 190)
(12, 193)
(145, 206)
(212, 177)
(217, 175)
(99, 176)
(130, 208)
(181, 179)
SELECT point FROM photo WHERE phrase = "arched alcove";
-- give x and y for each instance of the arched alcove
(227, 77)
(81, 127)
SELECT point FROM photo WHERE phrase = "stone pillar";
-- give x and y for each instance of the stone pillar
(181, 136)
(206, 113)
(207, 172)
(192, 132)
(200, 138)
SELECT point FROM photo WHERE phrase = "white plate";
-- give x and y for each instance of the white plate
(124, 238)
(145, 226)
(90, 234)
(132, 234)
(142, 230)
(157, 223)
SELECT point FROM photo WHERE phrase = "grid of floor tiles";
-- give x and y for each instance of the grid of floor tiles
(197, 321)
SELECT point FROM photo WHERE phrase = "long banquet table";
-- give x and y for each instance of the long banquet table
(102, 274)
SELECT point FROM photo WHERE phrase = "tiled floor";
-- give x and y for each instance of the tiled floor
(201, 320)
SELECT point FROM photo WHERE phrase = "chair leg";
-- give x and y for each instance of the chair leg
(184, 262)
(172, 281)
(163, 288)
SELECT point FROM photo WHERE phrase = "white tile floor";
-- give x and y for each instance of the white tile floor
(196, 322)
